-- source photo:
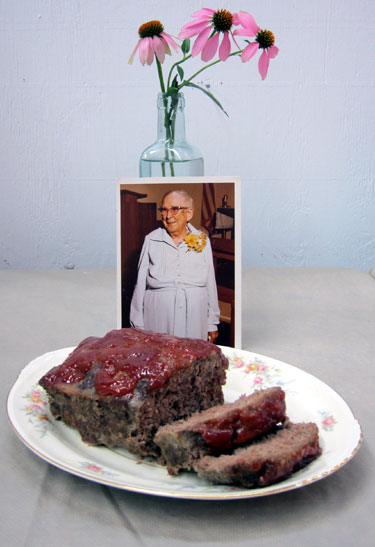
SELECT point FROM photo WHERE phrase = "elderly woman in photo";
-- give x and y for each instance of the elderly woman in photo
(176, 290)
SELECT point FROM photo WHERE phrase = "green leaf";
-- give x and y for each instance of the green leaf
(175, 82)
(208, 93)
(172, 91)
(185, 46)
(180, 72)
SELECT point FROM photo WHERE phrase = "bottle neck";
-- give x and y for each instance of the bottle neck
(171, 118)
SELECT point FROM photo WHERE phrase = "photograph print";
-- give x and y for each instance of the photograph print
(179, 265)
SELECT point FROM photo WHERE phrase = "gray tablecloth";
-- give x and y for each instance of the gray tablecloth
(321, 320)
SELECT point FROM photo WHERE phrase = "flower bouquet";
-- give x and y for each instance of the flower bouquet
(215, 32)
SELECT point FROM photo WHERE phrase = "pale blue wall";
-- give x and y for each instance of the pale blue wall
(75, 117)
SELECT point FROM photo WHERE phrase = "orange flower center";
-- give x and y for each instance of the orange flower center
(265, 39)
(222, 20)
(150, 29)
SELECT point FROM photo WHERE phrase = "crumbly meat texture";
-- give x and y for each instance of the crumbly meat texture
(221, 428)
(265, 462)
(131, 420)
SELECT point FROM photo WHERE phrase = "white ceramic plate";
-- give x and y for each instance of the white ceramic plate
(307, 399)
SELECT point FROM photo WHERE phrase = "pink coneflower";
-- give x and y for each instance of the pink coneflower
(207, 27)
(153, 40)
(264, 39)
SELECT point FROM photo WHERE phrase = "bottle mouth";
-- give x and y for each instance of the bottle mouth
(170, 101)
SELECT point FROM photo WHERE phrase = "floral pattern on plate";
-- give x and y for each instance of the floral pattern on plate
(328, 421)
(36, 409)
(261, 374)
(95, 468)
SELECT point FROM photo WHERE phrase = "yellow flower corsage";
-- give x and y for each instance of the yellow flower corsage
(196, 242)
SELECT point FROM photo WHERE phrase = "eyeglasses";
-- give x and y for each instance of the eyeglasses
(173, 210)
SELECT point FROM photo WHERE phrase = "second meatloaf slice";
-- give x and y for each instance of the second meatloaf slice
(265, 462)
(220, 428)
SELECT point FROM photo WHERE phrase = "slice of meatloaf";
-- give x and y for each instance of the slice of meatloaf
(220, 428)
(264, 462)
(119, 389)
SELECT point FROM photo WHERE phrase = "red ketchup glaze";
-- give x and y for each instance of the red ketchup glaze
(127, 356)
(242, 425)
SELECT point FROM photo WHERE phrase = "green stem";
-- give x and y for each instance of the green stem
(160, 74)
(208, 66)
(174, 66)
(169, 119)
(166, 120)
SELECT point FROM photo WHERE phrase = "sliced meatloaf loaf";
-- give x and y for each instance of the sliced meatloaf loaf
(220, 428)
(119, 389)
(265, 462)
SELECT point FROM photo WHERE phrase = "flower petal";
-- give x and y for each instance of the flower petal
(150, 51)
(167, 49)
(210, 48)
(224, 49)
(246, 20)
(159, 48)
(263, 64)
(168, 38)
(249, 51)
(143, 50)
(273, 51)
(134, 52)
(192, 30)
(204, 12)
(242, 32)
(200, 42)
(234, 40)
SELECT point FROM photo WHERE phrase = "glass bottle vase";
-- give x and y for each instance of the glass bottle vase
(171, 155)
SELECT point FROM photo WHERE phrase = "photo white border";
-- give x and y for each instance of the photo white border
(237, 236)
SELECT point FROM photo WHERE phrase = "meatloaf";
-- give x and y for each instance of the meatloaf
(265, 462)
(220, 428)
(119, 389)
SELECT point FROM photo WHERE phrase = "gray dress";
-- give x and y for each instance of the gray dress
(176, 290)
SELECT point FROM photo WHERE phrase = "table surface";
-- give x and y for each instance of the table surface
(321, 320)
